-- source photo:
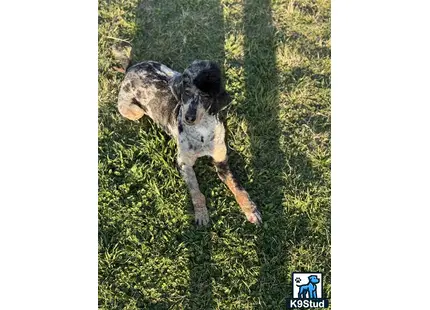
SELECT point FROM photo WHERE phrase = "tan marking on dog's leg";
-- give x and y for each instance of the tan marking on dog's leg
(245, 203)
(219, 153)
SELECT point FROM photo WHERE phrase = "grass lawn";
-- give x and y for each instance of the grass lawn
(276, 57)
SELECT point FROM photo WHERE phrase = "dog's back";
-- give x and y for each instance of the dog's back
(145, 90)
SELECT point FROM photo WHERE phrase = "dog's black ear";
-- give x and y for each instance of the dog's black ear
(209, 79)
(222, 100)
(177, 86)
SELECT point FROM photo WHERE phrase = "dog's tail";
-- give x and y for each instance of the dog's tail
(122, 55)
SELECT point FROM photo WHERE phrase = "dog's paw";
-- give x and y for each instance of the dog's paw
(254, 217)
(201, 217)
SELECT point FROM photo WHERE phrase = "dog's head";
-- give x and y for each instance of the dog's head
(200, 90)
(313, 279)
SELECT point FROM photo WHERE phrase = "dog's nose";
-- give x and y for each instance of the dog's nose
(190, 119)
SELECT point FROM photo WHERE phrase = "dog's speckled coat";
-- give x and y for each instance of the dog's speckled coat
(186, 106)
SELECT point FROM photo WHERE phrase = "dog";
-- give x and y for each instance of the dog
(187, 107)
(310, 288)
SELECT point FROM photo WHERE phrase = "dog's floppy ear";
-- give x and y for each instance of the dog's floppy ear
(221, 102)
(208, 80)
(177, 86)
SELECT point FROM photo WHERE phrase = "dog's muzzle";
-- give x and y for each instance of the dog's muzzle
(191, 114)
(190, 119)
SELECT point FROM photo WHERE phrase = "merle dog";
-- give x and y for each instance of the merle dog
(186, 106)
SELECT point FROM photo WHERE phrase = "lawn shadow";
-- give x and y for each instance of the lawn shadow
(269, 161)
(277, 171)
(176, 33)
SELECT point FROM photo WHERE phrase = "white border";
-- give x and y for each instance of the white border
(48, 136)
(380, 171)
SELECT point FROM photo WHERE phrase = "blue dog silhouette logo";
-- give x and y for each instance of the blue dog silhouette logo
(308, 290)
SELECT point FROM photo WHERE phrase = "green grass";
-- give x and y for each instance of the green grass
(276, 57)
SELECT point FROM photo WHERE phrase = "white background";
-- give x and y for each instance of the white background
(380, 152)
(48, 136)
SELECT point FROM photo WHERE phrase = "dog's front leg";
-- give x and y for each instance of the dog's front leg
(199, 200)
(246, 204)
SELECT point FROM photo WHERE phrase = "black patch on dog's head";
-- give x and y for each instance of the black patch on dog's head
(206, 76)
(208, 80)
